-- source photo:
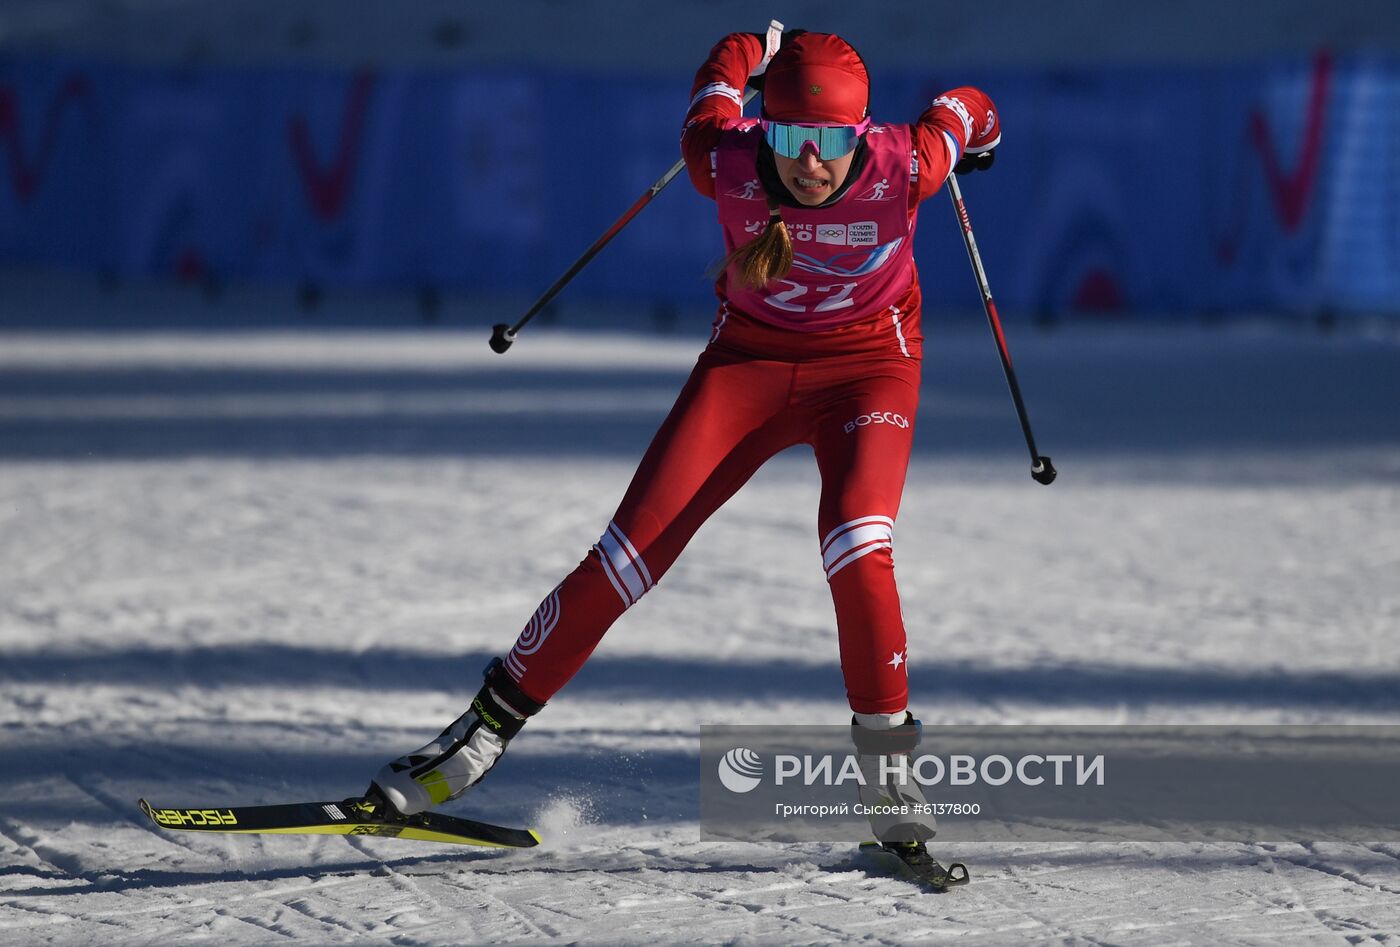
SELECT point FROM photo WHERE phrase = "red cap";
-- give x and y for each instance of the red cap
(816, 77)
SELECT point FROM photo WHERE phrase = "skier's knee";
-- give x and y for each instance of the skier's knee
(854, 539)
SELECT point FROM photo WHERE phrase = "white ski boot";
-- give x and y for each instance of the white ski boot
(895, 802)
(462, 754)
(899, 815)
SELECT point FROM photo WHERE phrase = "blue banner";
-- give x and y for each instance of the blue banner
(1149, 190)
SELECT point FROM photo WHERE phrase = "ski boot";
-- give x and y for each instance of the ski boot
(899, 815)
(462, 754)
(894, 801)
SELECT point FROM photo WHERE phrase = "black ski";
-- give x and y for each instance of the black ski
(912, 862)
(347, 817)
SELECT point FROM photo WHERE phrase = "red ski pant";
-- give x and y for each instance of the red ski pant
(741, 405)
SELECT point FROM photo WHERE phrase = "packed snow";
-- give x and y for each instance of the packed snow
(249, 566)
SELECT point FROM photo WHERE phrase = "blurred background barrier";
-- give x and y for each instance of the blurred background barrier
(1177, 188)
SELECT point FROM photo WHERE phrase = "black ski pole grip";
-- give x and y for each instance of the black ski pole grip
(1042, 471)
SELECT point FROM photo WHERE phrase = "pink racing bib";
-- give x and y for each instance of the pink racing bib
(851, 260)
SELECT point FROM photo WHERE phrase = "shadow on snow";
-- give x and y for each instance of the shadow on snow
(1091, 394)
(643, 678)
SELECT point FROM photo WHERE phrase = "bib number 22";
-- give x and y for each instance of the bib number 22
(838, 296)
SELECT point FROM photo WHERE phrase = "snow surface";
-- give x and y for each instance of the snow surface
(249, 566)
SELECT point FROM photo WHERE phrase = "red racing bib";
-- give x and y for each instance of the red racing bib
(851, 260)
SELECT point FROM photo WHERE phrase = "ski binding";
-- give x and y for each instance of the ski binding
(912, 862)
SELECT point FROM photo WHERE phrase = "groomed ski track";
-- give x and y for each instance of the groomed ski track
(249, 566)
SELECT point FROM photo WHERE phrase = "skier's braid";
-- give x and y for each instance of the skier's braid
(768, 256)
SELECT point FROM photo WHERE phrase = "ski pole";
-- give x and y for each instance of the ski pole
(503, 334)
(1042, 471)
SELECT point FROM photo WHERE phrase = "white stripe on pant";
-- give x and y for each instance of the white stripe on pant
(854, 539)
(623, 566)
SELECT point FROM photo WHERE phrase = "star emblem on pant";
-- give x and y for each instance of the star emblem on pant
(896, 659)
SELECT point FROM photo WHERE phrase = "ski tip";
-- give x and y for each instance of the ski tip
(150, 812)
(534, 835)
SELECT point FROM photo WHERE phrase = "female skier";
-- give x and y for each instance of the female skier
(816, 341)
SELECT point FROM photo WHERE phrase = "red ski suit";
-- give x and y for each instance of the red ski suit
(850, 391)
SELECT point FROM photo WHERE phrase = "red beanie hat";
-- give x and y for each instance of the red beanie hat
(816, 77)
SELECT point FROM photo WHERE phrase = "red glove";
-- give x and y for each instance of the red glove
(970, 116)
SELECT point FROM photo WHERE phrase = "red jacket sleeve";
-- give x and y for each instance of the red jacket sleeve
(716, 97)
(962, 121)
